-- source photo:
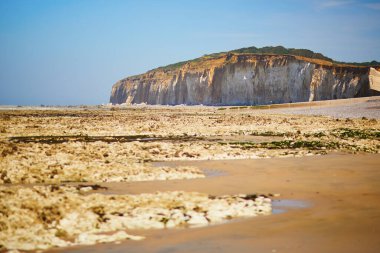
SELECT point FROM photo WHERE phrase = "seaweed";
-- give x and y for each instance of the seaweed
(109, 139)
(356, 133)
(100, 211)
(270, 133)
(250, 197)
(286, 144)
(317, 135)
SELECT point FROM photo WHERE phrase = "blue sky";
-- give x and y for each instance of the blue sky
(71, 52)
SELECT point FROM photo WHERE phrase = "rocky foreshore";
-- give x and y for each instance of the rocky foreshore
(42, 217)
(51, 159)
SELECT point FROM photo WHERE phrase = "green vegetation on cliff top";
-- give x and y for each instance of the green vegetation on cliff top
(280, 50)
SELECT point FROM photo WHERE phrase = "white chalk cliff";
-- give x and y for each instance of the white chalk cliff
(246, 79)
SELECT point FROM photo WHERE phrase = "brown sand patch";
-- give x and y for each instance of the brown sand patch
(343, 217)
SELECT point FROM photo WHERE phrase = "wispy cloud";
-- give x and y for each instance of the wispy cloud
(374, 6)
(334, 3)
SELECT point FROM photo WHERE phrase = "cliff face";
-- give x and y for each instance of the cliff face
(244, 79)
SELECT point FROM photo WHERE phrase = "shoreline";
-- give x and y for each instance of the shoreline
(343, 214)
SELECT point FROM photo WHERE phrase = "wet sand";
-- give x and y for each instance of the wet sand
(342, 191)
(342, 108)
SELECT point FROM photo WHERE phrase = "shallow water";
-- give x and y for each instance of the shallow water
(283, 205)
(214, 172)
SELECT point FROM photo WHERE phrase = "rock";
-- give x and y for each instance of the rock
(41, 217)
(90, 239)
(86, 189)
(249, 79)
(196, 219)
(216, 216)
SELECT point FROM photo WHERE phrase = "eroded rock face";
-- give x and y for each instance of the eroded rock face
(374, 79)
(244, 79)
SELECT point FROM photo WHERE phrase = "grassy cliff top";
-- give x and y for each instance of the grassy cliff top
(278, 50)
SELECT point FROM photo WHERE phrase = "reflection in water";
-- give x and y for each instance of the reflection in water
(282, 205)
(214, 172)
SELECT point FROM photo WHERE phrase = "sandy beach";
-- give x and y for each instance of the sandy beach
(341, 212)
(185, 179)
